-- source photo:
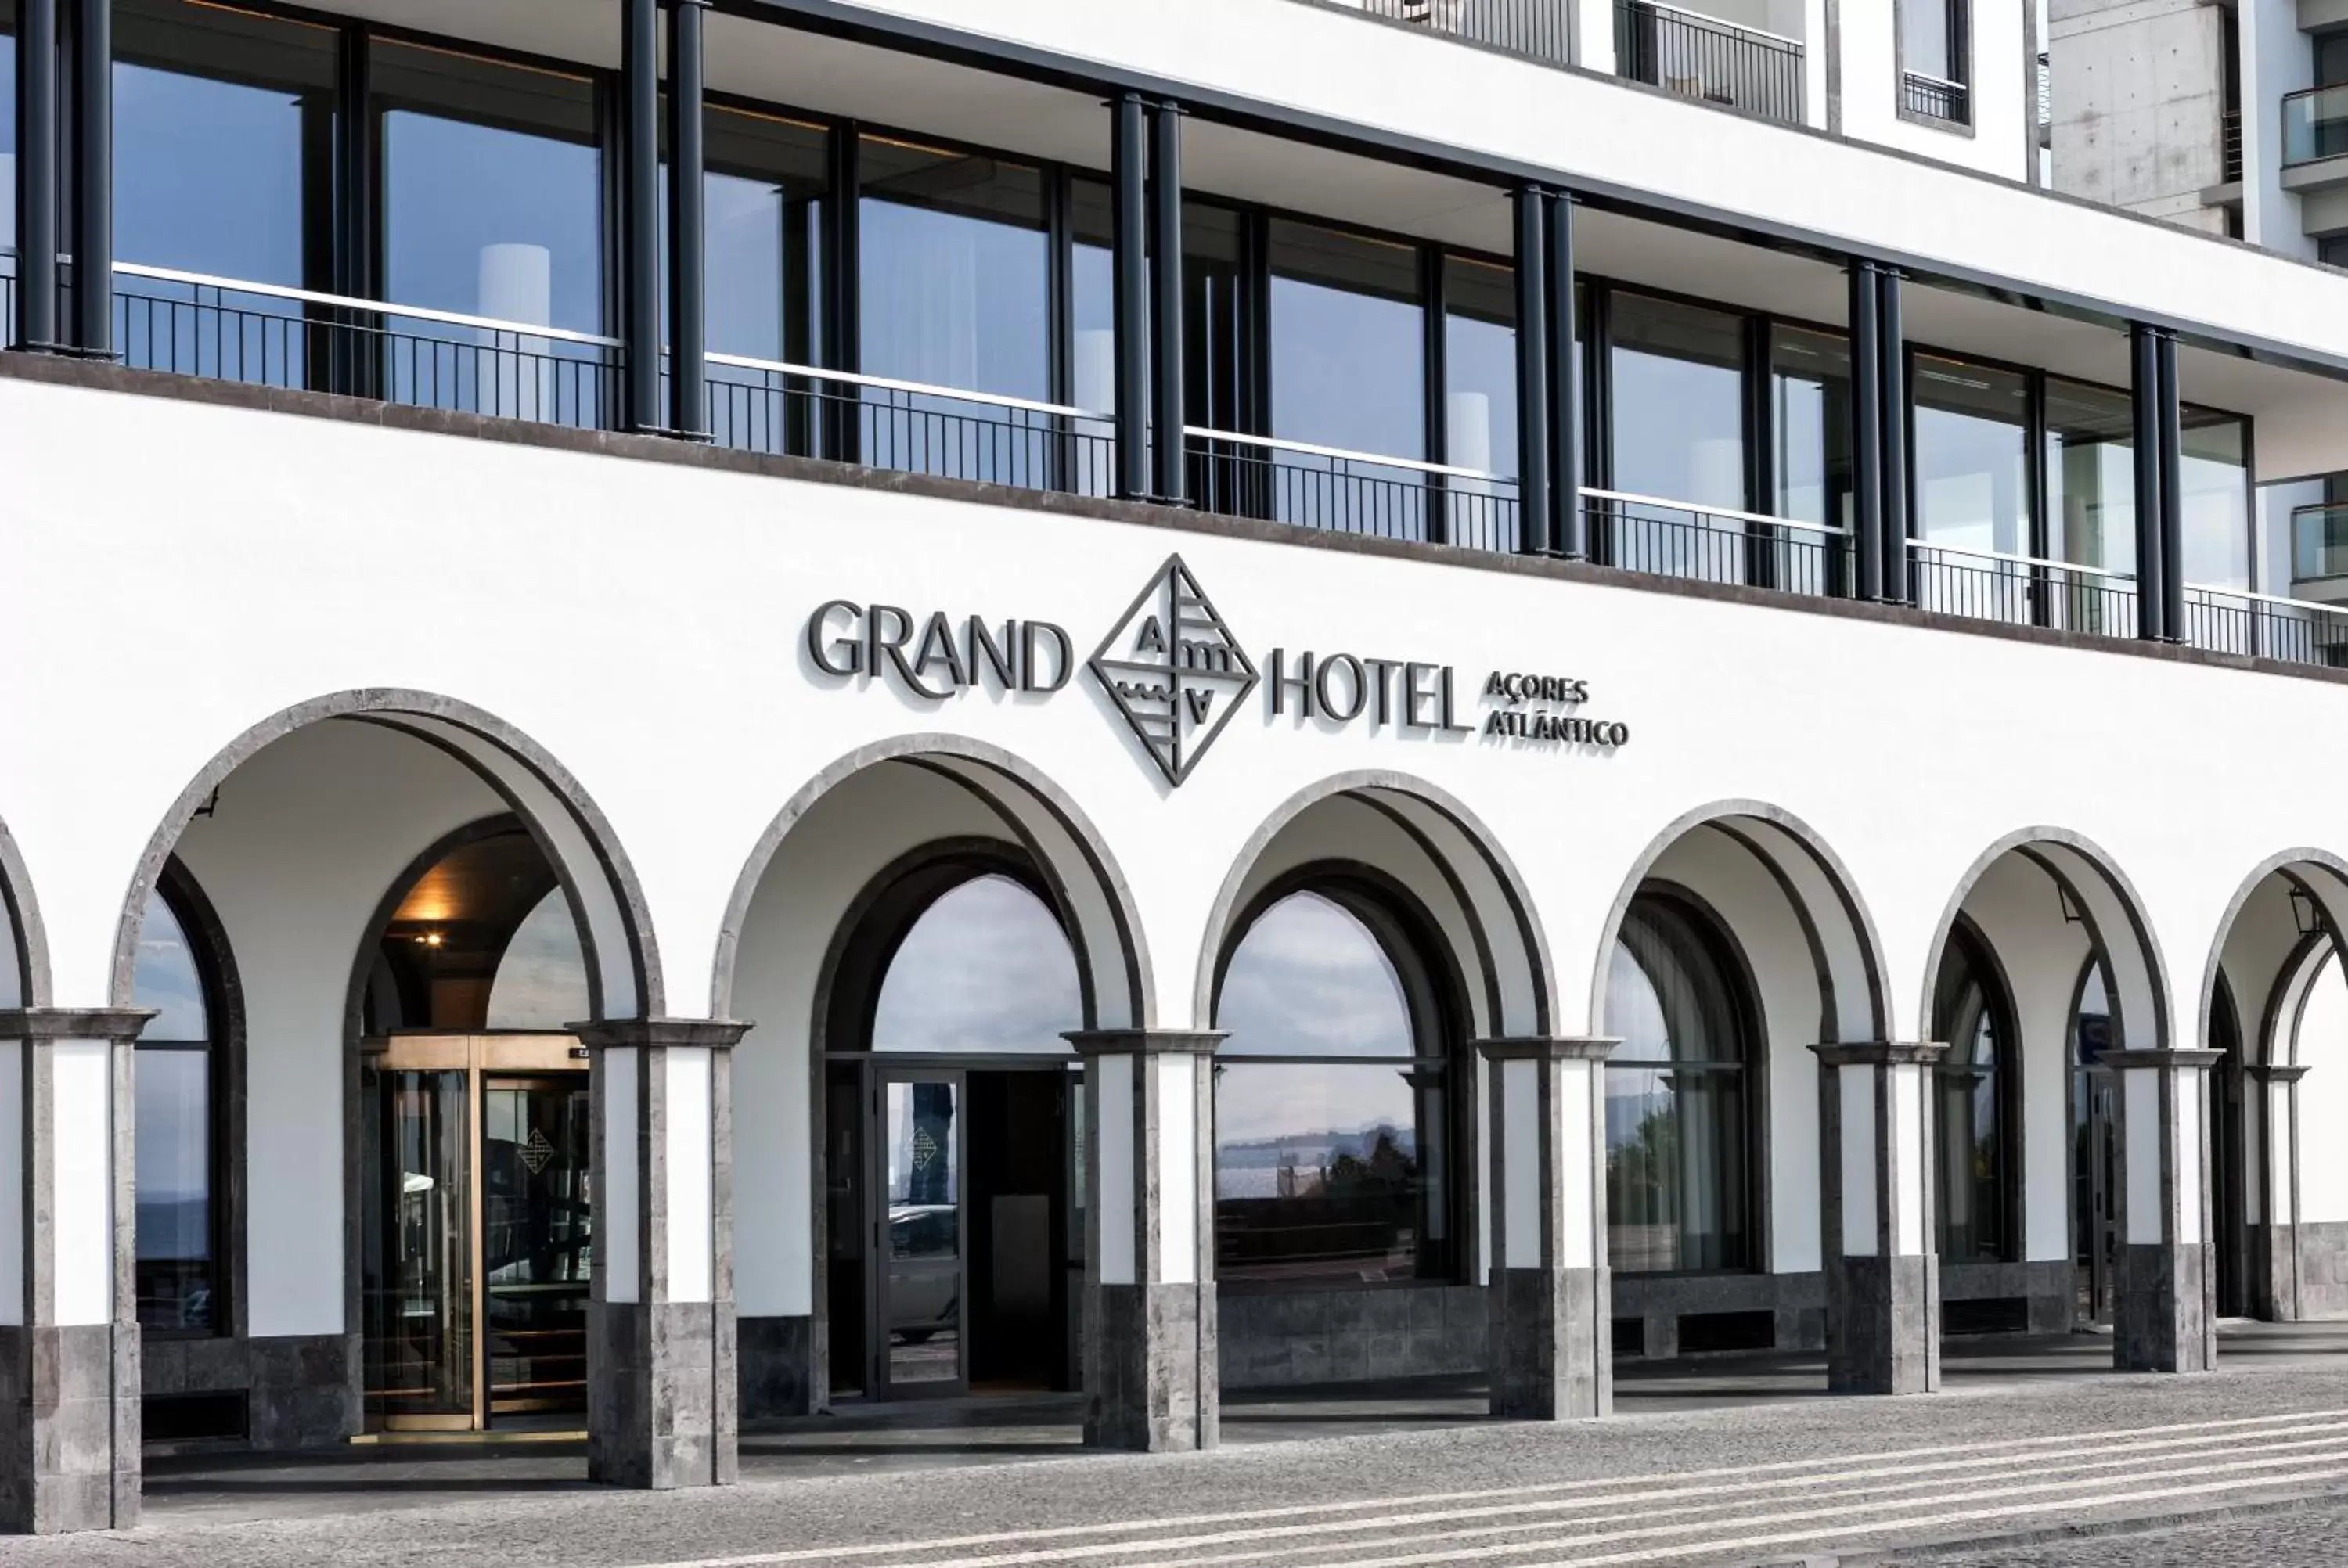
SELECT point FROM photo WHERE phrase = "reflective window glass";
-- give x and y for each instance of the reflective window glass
(173, 1093)
(484, 939)
(764, 195)
(1348, 366)
(2091, 475)
(1973, 1140)
(1970, 463)
(1479, 399)
(1676, 1140)
(12, 992)
(985, 970)
(1810, 379)
(2213, 470)
(1092, 333)
(956, 270)
(1679, 402)
(7, 162)
(1927, 37)
(541, 977)
(1331, 1114)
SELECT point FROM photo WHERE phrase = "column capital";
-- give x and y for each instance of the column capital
(1880, 1052)
(2122, 1059)
(2265, 1073)
(74, 1023)
(621, 1033)
(1092, 1043)
(1547, 1048)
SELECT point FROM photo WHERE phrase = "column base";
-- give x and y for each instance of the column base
(70, 1429)
(661, 1399)
(1150, 1374)
(1550, 1344)
(2163, 1318)
(1883, 1326)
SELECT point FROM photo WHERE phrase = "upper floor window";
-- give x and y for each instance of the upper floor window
(1934, 59)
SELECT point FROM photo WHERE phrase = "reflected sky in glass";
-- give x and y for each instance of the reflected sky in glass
(956, 274)
(7, 139)
(748, 283)
(208, 175)
(542, 981)
(1679, 402)
(985, 970)
(166, 977)
(1310, 980)
(1970, 456)
(1347, 364)
(12, 992)
(174, 1158)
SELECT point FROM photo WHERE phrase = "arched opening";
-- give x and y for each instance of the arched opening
(953, 1131)
(1338, 1113)
(1680, 1187)
(476, 1212)
(1979, 1106)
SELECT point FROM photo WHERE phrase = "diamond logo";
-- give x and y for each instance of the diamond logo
(536, 1152)
(1174, 670)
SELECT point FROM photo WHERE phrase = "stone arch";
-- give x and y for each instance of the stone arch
(602, 887)
(27, 947)
(2260, 950)
(1431, 844)
(1836, 927)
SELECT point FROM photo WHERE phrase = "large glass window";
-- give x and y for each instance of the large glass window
(1978, 1078)
(1479, 399)
(1677, 1140)
(985, 970)
(2213, 471)
(1092, 333)
(7, 166)
(177, 1268)
(492, 206)
(1971, 455)
(1679, 402)
(2091, 475)
(1928, 37)
(1332, 1101)
(1348, 365)
(484, 939)
(1810, 373)
(763, 190)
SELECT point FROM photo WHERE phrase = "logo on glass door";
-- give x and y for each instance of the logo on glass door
(1174, 670)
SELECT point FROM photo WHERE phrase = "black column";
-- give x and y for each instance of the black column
(688, 285)
(2172, 495)
(640, 211)
(1569, 532)
(1168, 401)
(2151, 597)
(93, 164)
(1130, 290)
(1533, 494)
(36, 175)
(1867, 433)
(1892, 337)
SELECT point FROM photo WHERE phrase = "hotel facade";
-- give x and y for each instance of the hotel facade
(717, 709)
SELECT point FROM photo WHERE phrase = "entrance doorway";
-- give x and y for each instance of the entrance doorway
(2095, 1159)
(477, 1219)
(956, 1256)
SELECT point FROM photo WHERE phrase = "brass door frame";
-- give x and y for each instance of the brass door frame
(479, 1057)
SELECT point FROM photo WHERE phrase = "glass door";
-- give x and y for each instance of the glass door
(919, 1259)
(535, 1242)
(417, 1258)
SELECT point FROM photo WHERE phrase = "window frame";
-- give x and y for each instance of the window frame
(1980, 956)
(1435, 998)
(223, 996)
(1958, 16)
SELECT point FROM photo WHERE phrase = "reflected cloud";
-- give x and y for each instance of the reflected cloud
(1310, 980)
(986, 969)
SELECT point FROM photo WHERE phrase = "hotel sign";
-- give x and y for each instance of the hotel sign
(1174, 670)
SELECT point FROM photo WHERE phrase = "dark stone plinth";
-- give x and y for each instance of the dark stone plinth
(69, 1428)
(1150, 1383)
(661, 1410)
(1550, 1336)
(2162, 1321)
(1889, 1311)
(779, 1367)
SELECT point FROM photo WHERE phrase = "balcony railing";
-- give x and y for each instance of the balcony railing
(2230, 146)
(2294, 630)
(1704, 58)
(1342, 491)
(2319, 543)
(2022, 590)
(909, 426)
(1539, 30)
(2314, 125)
(1936, 97)
(1679, 538)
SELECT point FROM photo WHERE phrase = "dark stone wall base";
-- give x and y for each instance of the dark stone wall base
(782, 1373)
(1274, 1338)
(2322, 1270)
(661, 1390)
(2164, 1319)
(68, 1430)
(302, 1390)
(1552, 1339)
(1149, 1355)
(2049, 1289)
(1884, 1326)
(1795, 1304)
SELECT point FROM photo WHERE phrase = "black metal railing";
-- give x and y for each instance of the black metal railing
(1701, 57)
(2022, 590)
(2231, 620)
(757, 406)
(2230, 146)
(228, 330)
(1338, 491)
(1539, 30)
(1936, 97)
(1676, 538)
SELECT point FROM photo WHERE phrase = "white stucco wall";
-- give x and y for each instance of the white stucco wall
(2323, 1100)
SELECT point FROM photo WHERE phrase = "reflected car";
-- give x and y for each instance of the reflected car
(923, 1301)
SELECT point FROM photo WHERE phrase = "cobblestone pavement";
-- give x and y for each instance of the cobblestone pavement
(2284, 1538)
(1808, 1480)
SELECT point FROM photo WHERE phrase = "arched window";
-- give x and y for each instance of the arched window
(1333, 1096)
(1980, 1078)
(1678, 1189)
(482, 939)
(176, 1097)
(984, 969)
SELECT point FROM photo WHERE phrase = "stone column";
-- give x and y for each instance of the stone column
(1883, 1263)
(68, 1304)
(1151, 1383)
(2272, 1137)
(2165, 1317)
(1551, 1347)
(661, 1363)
